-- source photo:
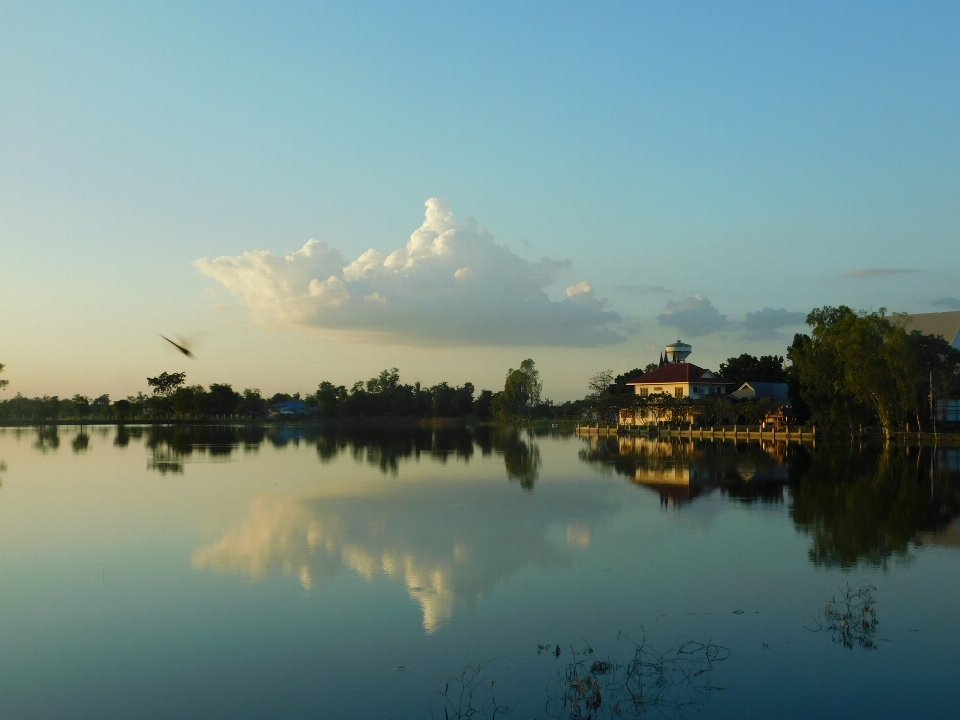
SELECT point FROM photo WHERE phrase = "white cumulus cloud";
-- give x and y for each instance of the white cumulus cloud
(450, 285)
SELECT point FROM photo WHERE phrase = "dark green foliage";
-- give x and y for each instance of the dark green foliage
(766, 368)
(483, 406)
(166, 383)
(81, 406)
(222, 400)
(520, 395)
(859, 369)
(252, 403)
(121, 408)
(620, 387)
(386, 396)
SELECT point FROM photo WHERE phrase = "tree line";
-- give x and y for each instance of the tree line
(171, 397)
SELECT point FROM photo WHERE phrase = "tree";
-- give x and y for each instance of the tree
(3, 383)
(165, 384)
(483, 405)
(856, 367)
(222, 399)
(600, 382)
(766, 368)
(100, 405)
(620, 386)
(121, 409)
(521, 393)
(253, 402)
(534, 384)
(188, 401)
(600, 400)
(329, 398)
(81, 406)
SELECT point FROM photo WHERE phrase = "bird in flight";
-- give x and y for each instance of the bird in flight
(181, 348)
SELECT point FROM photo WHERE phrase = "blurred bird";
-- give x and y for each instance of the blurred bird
(181, 348)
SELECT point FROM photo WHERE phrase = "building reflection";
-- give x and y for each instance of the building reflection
(681, 470)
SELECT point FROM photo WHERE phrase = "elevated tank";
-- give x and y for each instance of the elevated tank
(678, 351)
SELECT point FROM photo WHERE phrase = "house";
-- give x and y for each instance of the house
(944, 324)
(675, 378)
(762, 390)
(947, 326)
(292, 408)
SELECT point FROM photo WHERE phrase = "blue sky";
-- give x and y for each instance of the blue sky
(713, 159)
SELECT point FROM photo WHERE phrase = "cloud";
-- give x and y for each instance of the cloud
(693, 317)
(763, 324)
(582, 294)
(450, 285)
(876, 272)
(950, 303)
(644, 289)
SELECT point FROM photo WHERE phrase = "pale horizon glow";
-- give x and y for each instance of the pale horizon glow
(598, 181)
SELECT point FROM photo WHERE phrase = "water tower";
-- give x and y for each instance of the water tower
(678, 351)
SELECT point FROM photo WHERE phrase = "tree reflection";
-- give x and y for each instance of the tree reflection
(122, 438)
(81, 441)
(48, 438)
(866, 505)
(857, 504)
(381, 445)
(521, 455)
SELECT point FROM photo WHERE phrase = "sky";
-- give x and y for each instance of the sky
(319, 191)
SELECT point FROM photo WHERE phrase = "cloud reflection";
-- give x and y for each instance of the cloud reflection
(448, 546)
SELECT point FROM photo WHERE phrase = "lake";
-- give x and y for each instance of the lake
(301, 572)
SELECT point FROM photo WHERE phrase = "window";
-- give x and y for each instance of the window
(643, 391)
(678, 392)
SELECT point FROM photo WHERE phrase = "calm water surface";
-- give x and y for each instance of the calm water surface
(293, 572)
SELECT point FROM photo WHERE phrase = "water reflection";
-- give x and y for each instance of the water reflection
(48, 438)
(81, 441)
(857, 504)
(170, 446)
(382, 446)
(869, 504)
(436, 540)
(682, 470)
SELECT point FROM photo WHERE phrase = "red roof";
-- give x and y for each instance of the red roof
(677, 373)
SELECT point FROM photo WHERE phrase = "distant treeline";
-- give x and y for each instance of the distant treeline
(381, 396)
